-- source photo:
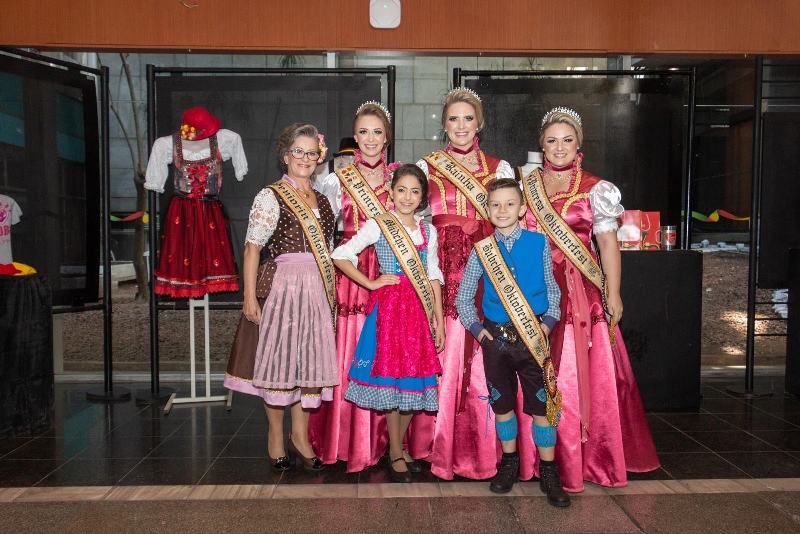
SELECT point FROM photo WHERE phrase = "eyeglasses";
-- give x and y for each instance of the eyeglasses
(299, 153)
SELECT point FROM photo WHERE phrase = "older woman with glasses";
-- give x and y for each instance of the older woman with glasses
(284, 350)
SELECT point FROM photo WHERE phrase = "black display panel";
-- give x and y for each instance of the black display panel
(635, 128)
(49, 164)
(258, 107)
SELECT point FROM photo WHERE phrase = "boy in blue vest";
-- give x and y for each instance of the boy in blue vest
(505, 356)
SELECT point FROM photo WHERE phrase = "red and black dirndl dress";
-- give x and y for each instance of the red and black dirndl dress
(196, 257)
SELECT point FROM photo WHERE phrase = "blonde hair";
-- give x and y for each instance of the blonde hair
(468, 97)
(558, 117)
(376, 111)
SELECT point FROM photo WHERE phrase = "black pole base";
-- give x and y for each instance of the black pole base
(100, 394)
(755, 393)
(146, 396)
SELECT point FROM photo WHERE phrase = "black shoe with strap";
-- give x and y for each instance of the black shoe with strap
(398, 476)
(413, 466)
(550, 484)
(507, 474)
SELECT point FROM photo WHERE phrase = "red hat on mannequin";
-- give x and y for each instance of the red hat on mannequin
(198, 123)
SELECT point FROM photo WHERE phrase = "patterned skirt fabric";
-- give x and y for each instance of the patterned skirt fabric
(408, 393)
(196, 256)
(296, 346)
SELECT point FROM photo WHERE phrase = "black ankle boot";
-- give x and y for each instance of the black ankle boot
(550, 484)
(507, 475)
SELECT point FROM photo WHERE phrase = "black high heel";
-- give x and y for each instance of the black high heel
(398, 476)
(309, 464)
(280, 464)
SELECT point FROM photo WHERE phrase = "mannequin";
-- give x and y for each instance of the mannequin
(534, 162)
(196, 257)
(10, 213)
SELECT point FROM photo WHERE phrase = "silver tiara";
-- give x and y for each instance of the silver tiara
(374, 103)
(463, 89)
(566, 111)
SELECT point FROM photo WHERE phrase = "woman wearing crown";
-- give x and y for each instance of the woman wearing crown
(341, 430)
(603, 431)
(457, 178)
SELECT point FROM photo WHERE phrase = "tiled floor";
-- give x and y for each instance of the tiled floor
(125, 444)
(732, 466)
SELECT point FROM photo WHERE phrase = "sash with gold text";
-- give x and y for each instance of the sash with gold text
(562, 235)
(410, 261)
(523, 318)
(360, 191)
(315, 236)
(460, 177)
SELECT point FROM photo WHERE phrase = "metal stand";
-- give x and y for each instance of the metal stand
(749, 392)
(193, 398)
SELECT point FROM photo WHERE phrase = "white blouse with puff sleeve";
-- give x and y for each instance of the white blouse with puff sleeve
(369, 234)
(263, 219)
(604, 198)
(161, 156)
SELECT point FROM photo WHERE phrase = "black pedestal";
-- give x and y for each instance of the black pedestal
(662, 295)
(26, 355)
(793, 326)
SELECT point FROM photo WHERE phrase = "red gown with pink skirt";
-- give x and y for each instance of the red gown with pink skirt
(340, 430)
(603, 430)
(462, 432)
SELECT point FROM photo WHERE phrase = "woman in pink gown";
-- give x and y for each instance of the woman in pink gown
(464, 441)
(340, 430)
(603, 430)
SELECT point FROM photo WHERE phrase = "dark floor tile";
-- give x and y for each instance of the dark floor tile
(246, 446)
(493, 515)
(656, 474)
(758, 420)
(713, 392)
(121, 447)
(376, 474)
(698, 465)
(25, 472)
(89, 472)
(777, 404)
(786, 440)
(658, 424)
(46, 448)
(241, 471)
(190, 447)
(731, 441)
(709, 513)
(331, 474)
(9, 444)
(210, 426)
(696, 421)
(254, 426)
(725, 405)
(170, 471)
(185, 411)
(145, 427)
(676, 442)
(765, 464)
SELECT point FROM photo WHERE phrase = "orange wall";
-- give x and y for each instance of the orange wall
(500, 26)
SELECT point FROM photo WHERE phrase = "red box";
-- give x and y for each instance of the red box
(639, 230)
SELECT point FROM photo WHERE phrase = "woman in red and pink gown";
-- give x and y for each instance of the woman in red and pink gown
(464, 440)
(340, 430)
(603, 430)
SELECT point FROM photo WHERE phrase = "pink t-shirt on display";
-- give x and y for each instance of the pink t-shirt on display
(9, 215)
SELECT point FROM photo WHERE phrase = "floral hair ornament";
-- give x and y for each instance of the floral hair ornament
(188, 133)
(566, 111)
(374, 103)
(323, 148)
(463, 90)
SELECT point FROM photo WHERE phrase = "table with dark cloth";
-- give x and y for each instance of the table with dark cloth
(662, 295)
(26, 355)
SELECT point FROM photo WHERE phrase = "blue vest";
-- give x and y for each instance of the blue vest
(525, 263)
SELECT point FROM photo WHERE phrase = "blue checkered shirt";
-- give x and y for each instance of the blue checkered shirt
(465, 299)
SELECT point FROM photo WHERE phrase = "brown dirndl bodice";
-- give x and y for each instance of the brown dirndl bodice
(287, 238)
